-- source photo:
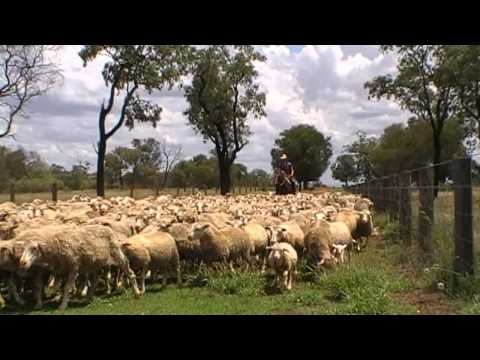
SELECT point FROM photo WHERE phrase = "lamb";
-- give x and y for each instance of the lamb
(155, 251)
(282, 259)
(70, 251)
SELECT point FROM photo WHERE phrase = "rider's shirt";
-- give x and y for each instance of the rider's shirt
(286, 166)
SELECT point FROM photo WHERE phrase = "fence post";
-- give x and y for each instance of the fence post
(206, 190)
(178, 191)
(12, 192)
(131, 192)
(405, 209)
(464, 247)
(54, 192)
(425, 210)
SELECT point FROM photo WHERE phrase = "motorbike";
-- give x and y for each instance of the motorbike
(283, 183)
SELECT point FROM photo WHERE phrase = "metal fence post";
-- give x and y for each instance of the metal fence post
(405, 209)
(464, 246)
(12, 192)
(54, 192)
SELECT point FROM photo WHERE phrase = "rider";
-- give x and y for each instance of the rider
(287, 167)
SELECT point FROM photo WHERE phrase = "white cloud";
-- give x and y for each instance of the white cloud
(321, 85)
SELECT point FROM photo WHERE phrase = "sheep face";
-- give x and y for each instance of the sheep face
(31, 254)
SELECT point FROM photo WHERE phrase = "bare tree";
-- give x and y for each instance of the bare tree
(26, 72)
(171, 154)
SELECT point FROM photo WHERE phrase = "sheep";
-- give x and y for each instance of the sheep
(188, 250)
(363, 204)
(10, 253)
(155, 251)
(70, 251)
(359, 223)
(317, 246)
(291, 233)
(282, 259)
(215, 245)
(364, 227)
(326, 242)
(219, 220)
(259, 238)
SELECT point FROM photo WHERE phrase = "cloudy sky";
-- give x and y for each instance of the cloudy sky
(305, 84)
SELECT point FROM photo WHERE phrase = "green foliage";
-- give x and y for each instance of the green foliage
(462, 63)
(345, 169)
(307, 148)
(362, 150)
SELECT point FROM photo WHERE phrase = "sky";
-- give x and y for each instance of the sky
(320, 85)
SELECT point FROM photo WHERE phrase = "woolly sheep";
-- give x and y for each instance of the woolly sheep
(282, 259)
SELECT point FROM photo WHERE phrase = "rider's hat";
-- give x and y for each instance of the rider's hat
(283, 157)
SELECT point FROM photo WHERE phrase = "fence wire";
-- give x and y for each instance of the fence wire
(442, 218)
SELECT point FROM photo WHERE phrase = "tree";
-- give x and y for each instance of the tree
(421, 87)
(307, 148)
(132, 70)
(222, 95)
(345, 168)
(462, 63)
(170, 155)
(114, 168)
(362, 149)
(26, 72)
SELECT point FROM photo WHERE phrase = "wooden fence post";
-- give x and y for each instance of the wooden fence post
(405, 209)
(54, 192)
(12, 192)
(206, 190)
(131, 192)
(178, 191)
(425, 210)
(464, 246)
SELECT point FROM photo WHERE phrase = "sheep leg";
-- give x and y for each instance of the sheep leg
(164, 278)
(141, 280)
(38, 290)
(108, 277)
(285, 278)
(178, 273)
(133, 281)
(13, 290)
(290, 275)
(230, 264)
(70, 283)
(93, 286)
(51, 281)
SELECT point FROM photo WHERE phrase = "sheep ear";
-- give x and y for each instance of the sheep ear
(205, 226)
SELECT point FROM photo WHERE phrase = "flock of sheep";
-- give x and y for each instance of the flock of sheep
(71, 246)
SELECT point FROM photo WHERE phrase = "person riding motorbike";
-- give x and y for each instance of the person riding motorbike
(285, 166)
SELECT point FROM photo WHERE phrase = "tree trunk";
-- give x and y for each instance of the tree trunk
(121, 181)
(225, 181)
(437, 155)
(102, 149)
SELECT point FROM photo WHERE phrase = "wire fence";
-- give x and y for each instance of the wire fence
(441, 218)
